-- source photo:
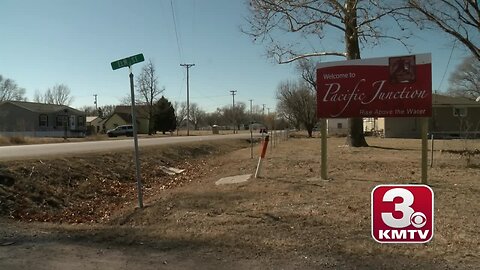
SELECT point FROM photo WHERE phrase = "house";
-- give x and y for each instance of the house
(455, 117)
(95, 125)
(122, 115)
(337, 126)
(452, 117)
(21, 118)
(373, 126)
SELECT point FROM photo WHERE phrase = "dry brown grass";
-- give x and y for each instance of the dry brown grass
(321, 224)
(290, 219)
(17, 140)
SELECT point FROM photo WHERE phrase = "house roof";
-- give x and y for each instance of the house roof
(125, 117)
(89, 119)
(442, 100)
(42, 107)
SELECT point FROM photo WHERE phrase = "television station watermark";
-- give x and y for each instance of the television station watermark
(402, 213)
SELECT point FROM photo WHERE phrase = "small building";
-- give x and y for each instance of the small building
(337, 126)
(452, 117)
(95, 125)
(21, 118)
(373, 126)
(122, 115)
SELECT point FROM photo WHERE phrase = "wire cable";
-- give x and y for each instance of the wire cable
(176, 32)
(448, 63)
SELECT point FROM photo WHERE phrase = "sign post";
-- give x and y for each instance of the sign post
(323, 134)
(424, 150)
(377, 87)
(128, 62)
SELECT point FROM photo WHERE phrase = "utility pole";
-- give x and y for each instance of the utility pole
(188, 66)
(251, 112)
(95, 102)
(251, 129)
(233, 108)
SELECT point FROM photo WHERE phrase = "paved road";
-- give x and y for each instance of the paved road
(44, 150)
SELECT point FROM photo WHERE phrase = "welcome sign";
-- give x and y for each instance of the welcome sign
(377, 87)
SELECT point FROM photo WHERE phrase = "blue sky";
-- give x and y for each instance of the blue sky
(45, 42)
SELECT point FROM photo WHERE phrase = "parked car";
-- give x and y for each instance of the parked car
(123, 130)
(263, 130)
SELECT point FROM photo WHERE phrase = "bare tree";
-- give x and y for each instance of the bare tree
(297, 103)
(106, 110)
(58, 94)
(197, 115)
(215, 118)
(9, 90)
(148, 90)
(238, 116)
(460, 19)
(281, 24)
(465, 81)
(38, 97)
(89, 110)
(308, 71)
(180, 113)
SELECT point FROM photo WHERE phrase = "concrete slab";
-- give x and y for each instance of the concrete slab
(233, 179)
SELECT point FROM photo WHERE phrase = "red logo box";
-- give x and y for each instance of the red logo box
(402, 213)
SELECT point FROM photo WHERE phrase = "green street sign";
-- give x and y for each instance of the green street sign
(126, 62)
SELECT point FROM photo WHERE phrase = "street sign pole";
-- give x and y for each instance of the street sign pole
(135, 142)
(424, 121)
(128, 62)
(323, 134)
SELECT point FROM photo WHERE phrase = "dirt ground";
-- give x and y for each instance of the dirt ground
(288, 219)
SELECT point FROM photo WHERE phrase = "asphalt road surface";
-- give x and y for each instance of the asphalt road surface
(45, 150)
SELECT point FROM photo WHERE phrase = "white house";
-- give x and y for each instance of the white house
(337, 126)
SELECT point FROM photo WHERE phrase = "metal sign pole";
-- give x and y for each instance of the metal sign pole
(135, 140)
(251, 141)
(128, 62)
(323, 132)
(431, 151)
(424, 150)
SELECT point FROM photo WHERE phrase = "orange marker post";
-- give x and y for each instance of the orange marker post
(262, 156)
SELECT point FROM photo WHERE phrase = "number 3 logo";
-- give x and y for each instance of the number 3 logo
(403, 207)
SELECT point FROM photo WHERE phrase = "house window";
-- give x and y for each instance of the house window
(81, 121)
(60, 120)
(43, 120)
(460, 112)
(339, 125)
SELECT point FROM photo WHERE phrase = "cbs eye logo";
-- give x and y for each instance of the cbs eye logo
(402, 213)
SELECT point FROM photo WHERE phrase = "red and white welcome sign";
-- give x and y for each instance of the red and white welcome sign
(377, 87)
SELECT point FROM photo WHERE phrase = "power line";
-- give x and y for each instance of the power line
(176, 31)
(448, 63)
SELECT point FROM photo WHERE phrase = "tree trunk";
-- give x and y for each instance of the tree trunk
(356, 137)
(309, 128)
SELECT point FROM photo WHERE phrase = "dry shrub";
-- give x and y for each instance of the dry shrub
(4, 140)
(17, 140)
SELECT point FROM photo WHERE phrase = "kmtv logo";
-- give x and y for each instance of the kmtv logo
(402, 213)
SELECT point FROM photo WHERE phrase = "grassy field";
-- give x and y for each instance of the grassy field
(288, 219)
